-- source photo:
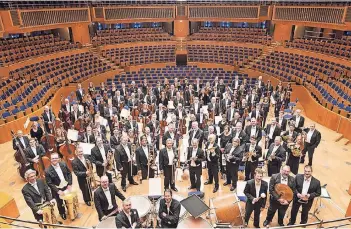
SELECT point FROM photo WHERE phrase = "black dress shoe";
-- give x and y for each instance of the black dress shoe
(281, 224)
(225, 184)
(289, 224)
(174, 189)
(88, 203)
(191, 188)
(265, 223)
(133, 183)
(215, 189)
(124, 189)
(207, 182)
(232, 188)
(63, 216)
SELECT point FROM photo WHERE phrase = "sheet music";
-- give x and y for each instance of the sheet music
(26, 123)
(155, 188)
(205, 109)
(72, 135)
(217, 120)
(325, 193)
(86, 147)
(81, 108)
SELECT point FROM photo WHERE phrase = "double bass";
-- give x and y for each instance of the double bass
(68, 151)
(20, 157)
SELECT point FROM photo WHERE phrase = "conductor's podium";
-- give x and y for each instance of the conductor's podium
(8, 207)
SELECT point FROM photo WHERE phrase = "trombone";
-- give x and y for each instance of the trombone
(90, 180)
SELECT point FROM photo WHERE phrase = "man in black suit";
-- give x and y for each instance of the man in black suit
(275, 201)
(48, 117)
(154, 125)
(307, 188)
(169, 210)
(313, 138)
(105, 200)
(225, 103)
(195, 156)
(80, 168)
(75, 113)
(233, 154)
(230, 112)
(34, 153)
(143, 158)
(212, 156)
(88, 136)
(197, 87)
(131, 125)
(124, 161)
(80, 93)
(36, 192)
(256, 194)
(109, 112)
(21, 140)
(251, 163)
(272, 130)
(128, 217)
(59, 178)
(254, 130)
(115, 139)
(195, 132)
(213, 107)
(239, 133)
(299, 121)
(167, 158)
(195, 107)
(170, 133)
(118, 99)
(276, 155)
(99, 156)
(281, 121)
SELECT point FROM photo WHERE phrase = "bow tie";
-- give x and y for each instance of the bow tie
(307, 180)
(106, 190)
(284, 179)
(33, 185)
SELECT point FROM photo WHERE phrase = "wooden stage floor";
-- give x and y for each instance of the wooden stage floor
(332, 166)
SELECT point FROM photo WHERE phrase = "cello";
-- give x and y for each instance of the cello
(20, 157)
(68, 150)
(49, 144)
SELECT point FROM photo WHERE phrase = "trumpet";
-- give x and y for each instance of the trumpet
(90, 179)
(271, 156)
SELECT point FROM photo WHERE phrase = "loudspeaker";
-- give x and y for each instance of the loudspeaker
(182, 59)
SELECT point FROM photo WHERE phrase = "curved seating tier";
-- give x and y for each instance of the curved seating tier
(116, 36)
(14, 50)
(230, 55)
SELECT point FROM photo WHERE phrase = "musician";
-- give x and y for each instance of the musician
(59, 178)
(251, 163)
(195, 156)
(88, 136)
(212, 156)
(178, 99)
(105, 200)
(167, 158)
(225, 103)
(140, 95)
(48, 117)
(35, 193)
(253, 99)
(299, 121)
(150, 98)
(91, 90)
(23, 141)
(313, 138)
(128, 217)
(113, 89)
(213, 107)
(256, 194)
(239, 133)
(145, 112)
(99, 156)
(80, 93)
(124, 91)
(133, 102)
(294, 152)
(143, 159)
(36, 131)
(34, 152)
(275, 200)
(133, 88)
(131, 124)
(180, 112)
(272, 130)
(236, 82)
(124, 161)
(171, 93)
(157, 90)
(99, 131)
(200, 118)
(231, 111)
(195, 108)
(276, 155)
(254, 130)
(115, 139)
(195, 132)
(290, 133)
(281, 121)
(188, 95)
(170, 134)
(197, 87)
(307, 188)
(109, 112)
(256, 113)
(117, 99)
(169, 210)
(233, 155)
(163, 99)
(210, 130)
(80, 168)
(160, 112)
(75, 113)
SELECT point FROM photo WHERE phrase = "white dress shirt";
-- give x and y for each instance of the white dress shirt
(297, 121)
(128, 216)
(108, 197)
(126, 148)
(208, 155)
(103, 153)
(253, 131)
(231, 114)
(283, 180)
(271, 131)
(257, 187)
(305, 186)
(146, 151)
(196, 107)
(59, 173)
(34, 151)
(274, 149)
(309, 136)
(170, 156)
(82, 159)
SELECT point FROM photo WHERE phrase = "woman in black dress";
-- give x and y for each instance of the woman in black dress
(294, 152)
(226, 137)
(36, 131)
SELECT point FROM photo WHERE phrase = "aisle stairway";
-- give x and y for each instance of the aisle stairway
(96, 52)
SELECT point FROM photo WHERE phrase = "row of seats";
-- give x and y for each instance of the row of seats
(230, 55)
(337, 48)
(141, 55)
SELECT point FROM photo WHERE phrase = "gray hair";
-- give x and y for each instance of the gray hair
(28, 172)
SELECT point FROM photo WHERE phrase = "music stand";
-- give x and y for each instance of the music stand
(324, 195)
(194, 205)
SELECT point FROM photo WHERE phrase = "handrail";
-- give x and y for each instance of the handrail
(316, 223)
(37, 223)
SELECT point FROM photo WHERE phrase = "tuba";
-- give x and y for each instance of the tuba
(48, 214)
(90, 179)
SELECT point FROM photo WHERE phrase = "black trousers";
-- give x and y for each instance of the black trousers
(250, 170)
(195, 177)
(83, 185)
(256, 208)
(304, 213)
(310, 151)
(273, 207)
(213, 172)
(232, 173)
(37, 216)
(59, 201)
(169, 179)
(144, 172)
(273, 168)
(126, 172)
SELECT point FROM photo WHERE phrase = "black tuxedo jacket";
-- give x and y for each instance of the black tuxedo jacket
(301, 122)
(121, 156)
(314, 190)
(294, 134)
(200, 157)
(166, 136)
(114, 142)
(98, 160)
(79, 169)
(140, 157)
(282, 124)
(116, 101)
(178, 101)
(101, 202)
(258, 152)
(91, 138)
(280, 154)
(26, 141)
(229, 113)
(258, 134)
(172, 218)
(163, 157)
(30, 154)
(242, 136)
(32, 197)
(276, 131)
(250, 192)
(129, 124)
(192, 108)
(223, 104)
(123, 221)
(152, 127)
(213, 159)
(164, 115)
(52, 178)
(238, 153)
(80, 95)
(176, 112)
(315, 138)
(73, 118)
(199, 135)
(213, 108)
(276, 179)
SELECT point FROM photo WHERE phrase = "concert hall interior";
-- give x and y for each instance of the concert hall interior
(175, 114)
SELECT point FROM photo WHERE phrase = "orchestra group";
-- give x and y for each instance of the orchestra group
(137, 133)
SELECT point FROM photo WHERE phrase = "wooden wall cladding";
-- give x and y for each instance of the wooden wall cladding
(249, 12)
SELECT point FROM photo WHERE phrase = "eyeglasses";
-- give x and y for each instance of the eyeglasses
(54, 158)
